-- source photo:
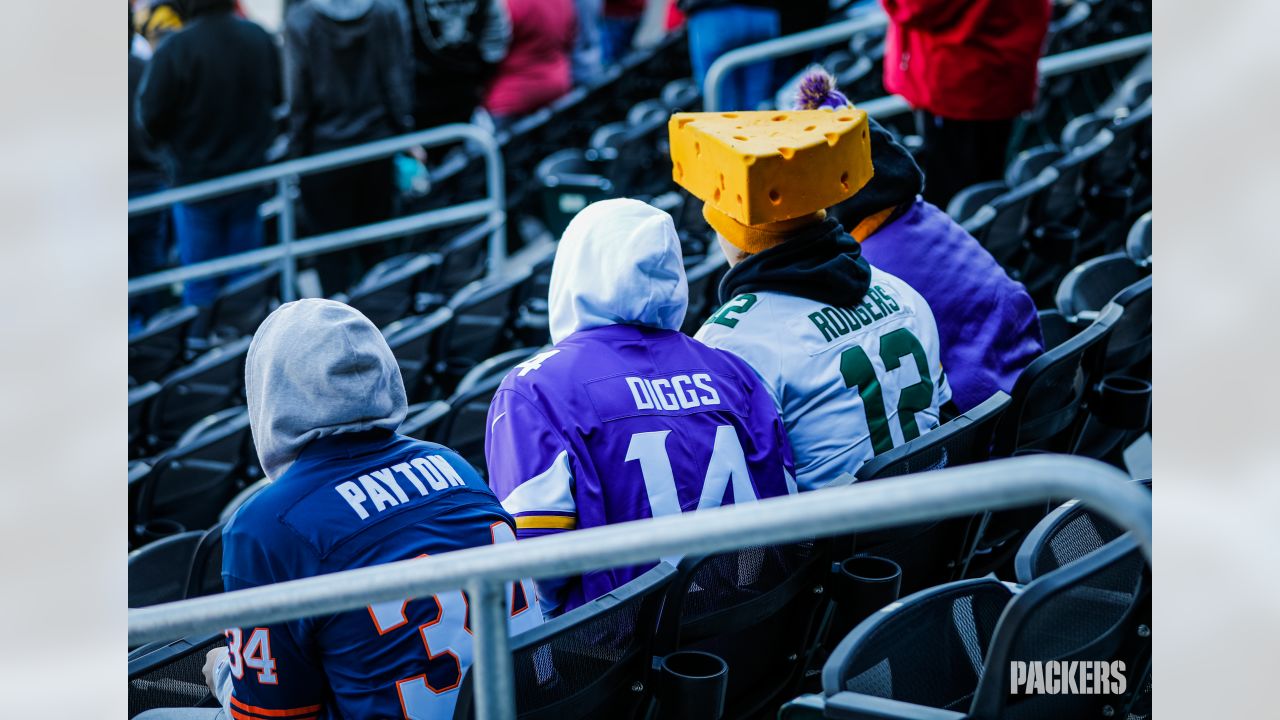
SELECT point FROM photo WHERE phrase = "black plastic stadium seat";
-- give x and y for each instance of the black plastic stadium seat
(212, 382)
(462, 261)
(170, 675)
(757, 609)
(1138, 244)
(946, 652)
(1054, 218)
(1091, 285)
(682, 95)
(928, 553)
(1001, 225)
(193, 481)
(463, 427)
(965, 204)
(159, 347)
(1030, 163)
(1065, 535)
(481, 326)
(423, 420)
(390, 290)
(139, 402)
(158, 572)
(243, 304)
(411, 340)
(204, 577)
(570, 182)
(591, 662)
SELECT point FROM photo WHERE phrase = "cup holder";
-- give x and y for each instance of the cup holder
(1124, 402)
(692, 685)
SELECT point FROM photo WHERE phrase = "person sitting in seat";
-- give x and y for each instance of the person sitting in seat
(325, 397)
(626, 417)
(987, 321)
(849, 352)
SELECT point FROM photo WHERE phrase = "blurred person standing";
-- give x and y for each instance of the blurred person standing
(207, 97)
(628, 24)
(349, 79)
(537, 70)
(968, 68)
(148, 233)
(716, 27)
(456, 46)
(588, 58)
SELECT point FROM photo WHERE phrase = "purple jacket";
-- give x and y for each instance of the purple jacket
(986, 320)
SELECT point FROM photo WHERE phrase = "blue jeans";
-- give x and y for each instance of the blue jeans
(714, 32)
(211, 229)
(587, 57)
(148, 249)
(615, 38)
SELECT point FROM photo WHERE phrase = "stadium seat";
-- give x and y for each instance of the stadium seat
(242, 305)
(704, 286)
(757, 609)
(592, 662)
(946, 652)
(928, 553)
(965, 204)
(1030, 163)
(1082, 129)
(1091, 285)
(1056, 329)
(241, 498)
(204, 577)
(481, 326)
(682, 95)
(170, 675)
(389, 291)
(1138, 243)
(463, 427)
(462, 261)
(212, 382)
(423, 420)
(160, 346)
(412, 341)
(1120, 406)
(570, 182)
(193, 481)
(1001, 224)
(1065, 535)
(532, 324)
(158, 572)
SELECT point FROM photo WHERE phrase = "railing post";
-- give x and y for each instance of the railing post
(494, 686)
(497, 190)
(286, 188)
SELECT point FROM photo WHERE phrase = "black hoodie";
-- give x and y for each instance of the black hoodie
(822, 262)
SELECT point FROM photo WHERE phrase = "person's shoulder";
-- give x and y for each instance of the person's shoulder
(545, 370)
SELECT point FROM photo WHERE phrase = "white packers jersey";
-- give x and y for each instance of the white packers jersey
(849, 382)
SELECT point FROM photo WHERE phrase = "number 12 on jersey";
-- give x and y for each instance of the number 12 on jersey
(858, 371)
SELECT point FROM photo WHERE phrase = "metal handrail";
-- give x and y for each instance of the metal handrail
(781, 47)
(285, 175)
(995, 485)
(1050, 66)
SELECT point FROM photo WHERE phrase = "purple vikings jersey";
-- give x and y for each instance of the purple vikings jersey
(625, 422)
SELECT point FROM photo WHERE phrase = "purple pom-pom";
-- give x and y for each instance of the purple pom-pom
(818, 90)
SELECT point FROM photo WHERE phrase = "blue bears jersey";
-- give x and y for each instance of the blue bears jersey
(350, 501)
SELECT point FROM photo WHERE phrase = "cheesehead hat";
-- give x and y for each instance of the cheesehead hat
(769, 171)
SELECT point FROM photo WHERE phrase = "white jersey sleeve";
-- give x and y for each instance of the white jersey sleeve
(850, 382)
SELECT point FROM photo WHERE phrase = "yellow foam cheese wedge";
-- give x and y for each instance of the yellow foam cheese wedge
(764, 166)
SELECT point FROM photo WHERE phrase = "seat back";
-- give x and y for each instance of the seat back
(928, 553)
(1091, 284)
(570, 182)
(1002, 228)
(1030, 163)
(965, 203)
(756, 609)
(412, 341)
(480, 328)
(1129, 347)
(139, 401)
(193, 481)
(591, 662)
(463, 427)
(390, 290)
(169, 674)
(423, 421)
(1082, 611)
(213, 382)
(1138, 244)
(704, 285)
(1047, 396)
(462, 261)
(926, 649)
(243, 304)
(158, 571)
(1065, 535)
(158, 348)
(204, 577)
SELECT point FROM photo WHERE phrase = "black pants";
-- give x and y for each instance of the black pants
(344, 198)
(960, 153)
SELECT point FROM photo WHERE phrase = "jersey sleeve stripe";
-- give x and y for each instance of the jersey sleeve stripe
(237, 715)
(244, 708)
(545, 522)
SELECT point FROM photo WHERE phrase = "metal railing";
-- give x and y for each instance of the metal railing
(781, 47)
(492, 209)
(482, 571)
(891, 105)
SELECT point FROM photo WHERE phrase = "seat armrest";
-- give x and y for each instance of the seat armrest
(852, 706)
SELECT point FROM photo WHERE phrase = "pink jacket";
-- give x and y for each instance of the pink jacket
(536, 69)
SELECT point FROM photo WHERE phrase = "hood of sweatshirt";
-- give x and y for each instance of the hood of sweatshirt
(820, 262)
(317, 368)
(618, 263)
(896, 182)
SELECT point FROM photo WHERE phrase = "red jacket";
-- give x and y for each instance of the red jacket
(536, 69)
(965, 59)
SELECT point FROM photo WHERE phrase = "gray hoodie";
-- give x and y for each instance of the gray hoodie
(317, 368)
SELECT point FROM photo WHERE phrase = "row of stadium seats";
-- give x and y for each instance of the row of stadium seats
(1082, 591)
